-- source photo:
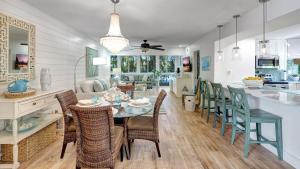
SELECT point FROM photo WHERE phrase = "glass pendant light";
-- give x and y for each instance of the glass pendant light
(114, 40)
(220, 52)
(236, 49)
(264, 44)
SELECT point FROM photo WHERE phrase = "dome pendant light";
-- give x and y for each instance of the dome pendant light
(114, 40)
(220, 52)
(263, 44)
(236, 49)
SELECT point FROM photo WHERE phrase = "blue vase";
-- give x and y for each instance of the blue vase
(18, 86)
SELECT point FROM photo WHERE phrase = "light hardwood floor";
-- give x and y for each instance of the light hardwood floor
(186, 141)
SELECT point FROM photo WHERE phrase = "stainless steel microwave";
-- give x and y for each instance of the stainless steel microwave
(267, 62)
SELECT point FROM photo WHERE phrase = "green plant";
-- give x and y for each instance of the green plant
(156, 73)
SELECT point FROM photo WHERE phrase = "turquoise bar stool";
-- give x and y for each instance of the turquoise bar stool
(207, 97)
(241, 109)
(222, 107)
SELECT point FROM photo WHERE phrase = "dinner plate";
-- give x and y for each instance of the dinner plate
(141, 105)
(90, 105)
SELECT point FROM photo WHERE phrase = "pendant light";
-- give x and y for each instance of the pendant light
(114, 40)
(236, 49)
(263, 44)
(220, 52)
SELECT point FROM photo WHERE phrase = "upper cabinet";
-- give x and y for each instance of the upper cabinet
(17, 49)
(293, 48)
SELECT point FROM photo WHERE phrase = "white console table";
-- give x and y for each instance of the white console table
(12, 109)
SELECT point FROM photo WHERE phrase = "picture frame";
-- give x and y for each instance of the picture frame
(205, 63)
(91, 70)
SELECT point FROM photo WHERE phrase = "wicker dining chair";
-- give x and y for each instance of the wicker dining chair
(66, 99)
(145, 127)
(128, 89)
(99, 141)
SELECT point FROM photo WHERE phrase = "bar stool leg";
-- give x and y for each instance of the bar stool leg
(203, 105)
(258, 132)
(278, 128)
(247, 138)
(215, 116)
(208, 110)
(233, 127)
(224, 120)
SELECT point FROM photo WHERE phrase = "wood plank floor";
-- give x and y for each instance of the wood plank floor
(187, 142)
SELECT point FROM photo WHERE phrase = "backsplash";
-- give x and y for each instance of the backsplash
(276, 74)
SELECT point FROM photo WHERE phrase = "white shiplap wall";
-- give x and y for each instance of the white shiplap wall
(57, 45)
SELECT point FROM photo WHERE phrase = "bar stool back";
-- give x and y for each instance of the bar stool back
(207, 98)
(222, 106)
(241, 109)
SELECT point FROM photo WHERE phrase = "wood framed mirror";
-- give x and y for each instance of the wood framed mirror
(17, 49)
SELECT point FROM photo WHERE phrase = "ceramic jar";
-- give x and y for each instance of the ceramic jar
(45, 79)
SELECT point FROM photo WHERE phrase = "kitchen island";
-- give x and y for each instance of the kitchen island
(286, 104)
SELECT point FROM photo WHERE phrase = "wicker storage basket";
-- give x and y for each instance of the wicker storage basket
(29, 146)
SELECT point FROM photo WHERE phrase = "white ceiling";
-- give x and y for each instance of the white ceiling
(172, 22)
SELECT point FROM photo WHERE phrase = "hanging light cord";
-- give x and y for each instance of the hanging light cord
(114, 7)
(264, 20)
(236, 29)
(219, 38)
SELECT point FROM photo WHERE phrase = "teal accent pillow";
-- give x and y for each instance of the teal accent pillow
(104, 83)
(98, 86)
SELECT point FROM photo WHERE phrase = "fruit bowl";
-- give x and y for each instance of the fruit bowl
(253, 83)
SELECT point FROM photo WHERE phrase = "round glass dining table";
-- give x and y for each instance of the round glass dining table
(125, 111)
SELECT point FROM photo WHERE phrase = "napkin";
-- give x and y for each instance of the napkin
(140, 101)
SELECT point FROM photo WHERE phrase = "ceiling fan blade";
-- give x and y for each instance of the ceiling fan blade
(136, 46)
(158, 49)
(156, 46)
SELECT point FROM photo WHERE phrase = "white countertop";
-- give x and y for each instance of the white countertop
(284, 96)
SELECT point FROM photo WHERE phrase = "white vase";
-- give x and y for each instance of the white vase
(45, 79)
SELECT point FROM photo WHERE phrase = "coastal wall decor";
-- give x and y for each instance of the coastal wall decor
(91, 69)
(17, 46)
(205, 63)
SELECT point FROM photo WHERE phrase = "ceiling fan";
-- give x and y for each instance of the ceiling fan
(145, 47)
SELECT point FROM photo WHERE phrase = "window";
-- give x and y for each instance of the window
(128, 64)
(113, 62)
(167, 64)
(147, 64)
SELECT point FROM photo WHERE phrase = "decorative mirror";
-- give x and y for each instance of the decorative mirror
(17, 49)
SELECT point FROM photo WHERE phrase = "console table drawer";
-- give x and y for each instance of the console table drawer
(24, 107)
(50, 99)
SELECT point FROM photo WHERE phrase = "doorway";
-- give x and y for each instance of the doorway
(196, 58)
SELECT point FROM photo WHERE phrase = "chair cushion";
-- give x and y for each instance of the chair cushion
(71, 126)
(105, 84)
(87, 86)
(131, 78)
(98, 86)
(140, 123)
(145, 78)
